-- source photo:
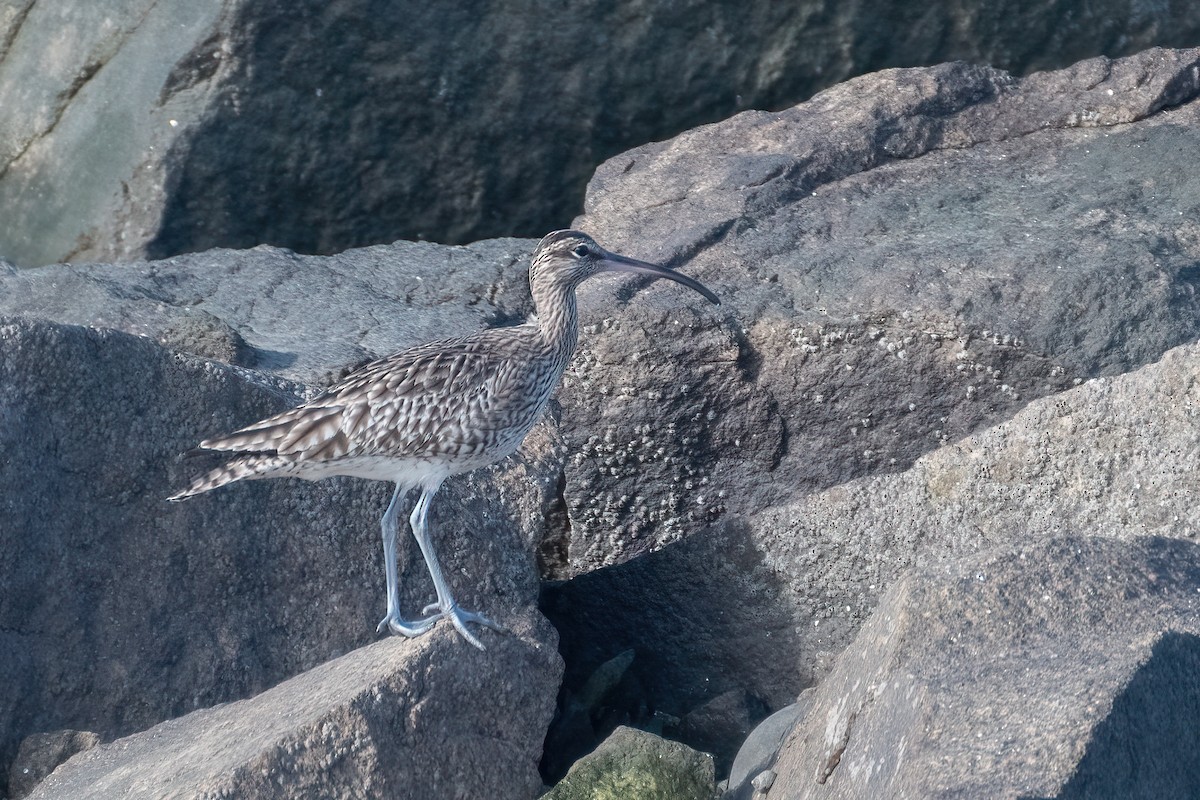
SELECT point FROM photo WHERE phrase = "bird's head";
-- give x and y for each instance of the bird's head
(564, 259)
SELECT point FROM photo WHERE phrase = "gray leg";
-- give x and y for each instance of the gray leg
(393, 620)
(445, 602)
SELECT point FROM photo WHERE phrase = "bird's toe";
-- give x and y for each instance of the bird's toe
(409, 628)
(461, 619)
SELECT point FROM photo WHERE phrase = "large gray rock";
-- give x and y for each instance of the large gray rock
(152, 127)
(395, 719)
(301, 317)
(93, 96)
(121, 610)
(765, 603)
(1067, 668)
(906, 258)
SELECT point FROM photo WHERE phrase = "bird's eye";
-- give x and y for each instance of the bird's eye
(581, 251)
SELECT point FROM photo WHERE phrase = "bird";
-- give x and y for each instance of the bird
(438, 409)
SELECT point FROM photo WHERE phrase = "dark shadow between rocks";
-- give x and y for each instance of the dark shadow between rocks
(1146, 746)
(648, 641)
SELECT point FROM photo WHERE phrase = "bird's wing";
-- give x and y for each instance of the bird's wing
(415, 403)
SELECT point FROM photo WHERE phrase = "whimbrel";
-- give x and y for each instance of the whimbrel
(439, 409)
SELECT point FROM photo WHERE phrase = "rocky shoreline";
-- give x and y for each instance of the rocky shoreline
(925, 481)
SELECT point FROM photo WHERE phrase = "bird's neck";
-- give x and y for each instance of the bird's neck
(558, 319)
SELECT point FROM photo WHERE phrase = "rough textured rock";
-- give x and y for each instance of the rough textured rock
(398, 719)
(635, 764)
(159, 126)
(40, 754)
(121, 610)
(766, 602)
(301, 317)
(1063, 668)
(906, 258)
(898, 257)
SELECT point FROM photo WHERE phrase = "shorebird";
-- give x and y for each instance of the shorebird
(435, 410)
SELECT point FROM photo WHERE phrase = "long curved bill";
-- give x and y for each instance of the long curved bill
(611, 262)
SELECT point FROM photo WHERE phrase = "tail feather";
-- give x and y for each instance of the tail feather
(246, 467)
(262, 435)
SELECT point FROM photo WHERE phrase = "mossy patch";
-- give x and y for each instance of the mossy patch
(635, 765)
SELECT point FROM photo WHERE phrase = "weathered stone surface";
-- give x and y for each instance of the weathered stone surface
(909, 257)
(635, 764)
(765, 603)
(1064, 668)
(929, 303)
(397, 719)
(301, 317)
(40, 754)
(121, 610)
(906, 258)
(137, 127)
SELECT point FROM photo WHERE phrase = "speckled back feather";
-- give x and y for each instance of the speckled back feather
(462, 402)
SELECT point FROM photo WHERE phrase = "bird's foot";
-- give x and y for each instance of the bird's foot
(409, 628)
(459, 618)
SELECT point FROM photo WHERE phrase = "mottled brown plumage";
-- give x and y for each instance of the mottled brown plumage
(435, 410)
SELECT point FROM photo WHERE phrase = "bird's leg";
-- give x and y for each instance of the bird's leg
(393, 621)
(445, 602)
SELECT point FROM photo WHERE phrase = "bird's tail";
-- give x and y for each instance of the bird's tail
(243, 468)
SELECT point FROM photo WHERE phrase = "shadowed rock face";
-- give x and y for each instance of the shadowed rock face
(1144, 747)
(149, 128)
(41, 753)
